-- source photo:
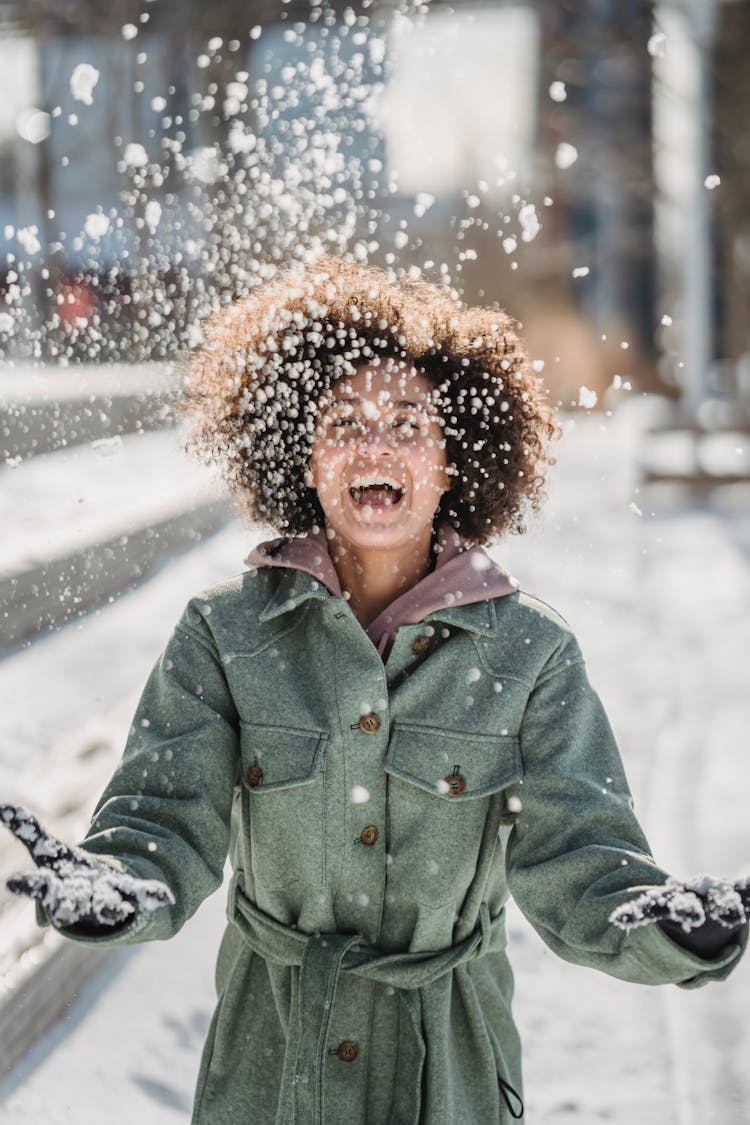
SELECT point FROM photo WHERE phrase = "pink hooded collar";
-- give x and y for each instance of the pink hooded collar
(462, 575)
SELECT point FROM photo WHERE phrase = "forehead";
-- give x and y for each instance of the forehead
(394, 382)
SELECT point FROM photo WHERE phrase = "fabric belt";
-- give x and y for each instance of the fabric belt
(321, 959)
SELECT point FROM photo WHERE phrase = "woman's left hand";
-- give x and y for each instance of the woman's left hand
(688, 905)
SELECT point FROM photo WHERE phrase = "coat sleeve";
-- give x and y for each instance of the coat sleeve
(166, 812)
(577, 850)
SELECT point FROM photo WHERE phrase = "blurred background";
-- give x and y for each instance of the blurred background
(583, 165)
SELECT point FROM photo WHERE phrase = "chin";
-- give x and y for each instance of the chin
(380, 536)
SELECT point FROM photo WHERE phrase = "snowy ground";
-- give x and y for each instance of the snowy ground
(57, 502)
(657, 590)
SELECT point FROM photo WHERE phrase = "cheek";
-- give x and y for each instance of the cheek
(325, 469)
(428, 472)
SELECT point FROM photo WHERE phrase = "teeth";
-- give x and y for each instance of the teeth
(370, 480)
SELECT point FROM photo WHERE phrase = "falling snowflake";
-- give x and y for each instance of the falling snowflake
(152, 214)
(27, 237)
(135, 156)
(657, 45)
(96, 225)
(565, 155)
(530, 225)
(82, 82)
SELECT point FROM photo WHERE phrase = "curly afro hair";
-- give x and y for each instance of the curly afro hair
(254, 388)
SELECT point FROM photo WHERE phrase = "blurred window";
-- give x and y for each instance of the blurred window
(460, 100)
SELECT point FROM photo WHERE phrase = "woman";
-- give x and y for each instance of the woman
(386, 734)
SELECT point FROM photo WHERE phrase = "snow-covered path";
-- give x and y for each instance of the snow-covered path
(657, 591)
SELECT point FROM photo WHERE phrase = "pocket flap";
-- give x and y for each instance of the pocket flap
(429, 757)
(286, 756)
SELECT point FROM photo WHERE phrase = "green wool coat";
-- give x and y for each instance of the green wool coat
(371, 812)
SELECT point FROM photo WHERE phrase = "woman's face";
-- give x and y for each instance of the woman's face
(378, 458)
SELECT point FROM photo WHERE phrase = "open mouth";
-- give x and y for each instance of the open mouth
(376, 491)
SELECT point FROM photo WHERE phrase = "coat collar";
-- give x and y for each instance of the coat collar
(458, 592)
(475, 617)
(297, 587)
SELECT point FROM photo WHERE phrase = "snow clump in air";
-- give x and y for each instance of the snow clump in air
(135, 156)
(96, 225)
(27, 236)
(529, 220)
(422, 203)
(82, 82)
(587, 398)
(657, 45)
(33, 125)
(152, 214)
(565, 155)
(206, 165)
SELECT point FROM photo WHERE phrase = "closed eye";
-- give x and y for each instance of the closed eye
(408, 424)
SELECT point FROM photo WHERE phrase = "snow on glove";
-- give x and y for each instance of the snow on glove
(689, 905)
(73, 886)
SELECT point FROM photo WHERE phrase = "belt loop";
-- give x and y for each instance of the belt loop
(485, 925)
(232, 898)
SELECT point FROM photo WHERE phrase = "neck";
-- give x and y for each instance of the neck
(372, 578)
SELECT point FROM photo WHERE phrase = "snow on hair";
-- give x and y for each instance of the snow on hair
(253, 391)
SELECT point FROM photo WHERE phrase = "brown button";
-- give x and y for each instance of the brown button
(420, 646)
(369, 835)
(370, 724)
(456, 784)
(348, 1051)
(254, 777)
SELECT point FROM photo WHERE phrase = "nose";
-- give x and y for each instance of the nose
(377, 436)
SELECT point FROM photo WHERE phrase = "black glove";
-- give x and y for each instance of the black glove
(74, 887)
(701, 913)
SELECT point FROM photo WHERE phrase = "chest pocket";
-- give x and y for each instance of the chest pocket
(284, 799)
(440, 787)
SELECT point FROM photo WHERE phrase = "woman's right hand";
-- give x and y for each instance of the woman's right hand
(73, 886)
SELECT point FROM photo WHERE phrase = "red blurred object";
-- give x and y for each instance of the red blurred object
(78, 304)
